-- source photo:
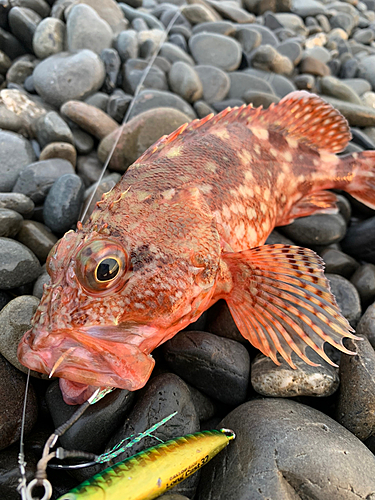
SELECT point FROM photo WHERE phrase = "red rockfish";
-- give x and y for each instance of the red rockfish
(185, 227)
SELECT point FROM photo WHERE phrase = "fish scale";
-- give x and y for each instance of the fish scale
(185, 227)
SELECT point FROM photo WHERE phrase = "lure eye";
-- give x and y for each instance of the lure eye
(102, 265)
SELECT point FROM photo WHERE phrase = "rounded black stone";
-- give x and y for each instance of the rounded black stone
(63, 203)
(217, 366)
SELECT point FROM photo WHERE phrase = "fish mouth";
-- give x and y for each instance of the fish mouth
(86, 361)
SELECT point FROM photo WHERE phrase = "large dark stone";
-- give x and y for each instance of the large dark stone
(289, 451)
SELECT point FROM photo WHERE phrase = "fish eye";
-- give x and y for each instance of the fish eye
(107, 269)
(102, 265)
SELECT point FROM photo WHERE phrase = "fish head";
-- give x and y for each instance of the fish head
(112, 299)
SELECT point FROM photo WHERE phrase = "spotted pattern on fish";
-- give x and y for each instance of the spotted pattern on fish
(186, 226)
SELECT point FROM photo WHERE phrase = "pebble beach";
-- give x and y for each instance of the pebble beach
(69, 74)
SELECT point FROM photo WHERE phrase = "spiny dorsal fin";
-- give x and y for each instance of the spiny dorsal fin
(309, 119)
(300, 115)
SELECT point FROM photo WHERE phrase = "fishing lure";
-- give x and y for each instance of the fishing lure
(152, 472)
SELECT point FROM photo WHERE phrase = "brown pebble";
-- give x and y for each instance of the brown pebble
(91, 119)
(313, 66)
(62, 150)
(37, 237)
(139, 134)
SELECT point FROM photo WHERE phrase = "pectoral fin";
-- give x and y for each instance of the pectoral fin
(281, 302)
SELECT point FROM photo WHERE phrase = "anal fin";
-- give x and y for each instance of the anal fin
(320, 202)
(281, 302)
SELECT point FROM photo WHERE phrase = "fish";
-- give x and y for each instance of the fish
(186, 226)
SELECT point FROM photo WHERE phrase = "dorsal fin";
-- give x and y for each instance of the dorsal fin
(300, 115)
(309, 119)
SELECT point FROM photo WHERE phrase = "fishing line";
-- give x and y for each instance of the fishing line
(128, 111)
(21, 456)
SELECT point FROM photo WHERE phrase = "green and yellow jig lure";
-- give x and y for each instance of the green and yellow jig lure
(153, 471)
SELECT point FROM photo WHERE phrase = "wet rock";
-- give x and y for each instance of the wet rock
(52, 128)
(281, 85)
(138, 134)
(268, 37)
(17, 202)
(36, 180)
(109, 11)
(364, 281)
(64, 76)
(23, 23)
(359, 240)
(249, 39)
(225, 28)
(20, 71)
(89, 168)
(314, 67)
(337, 262)
(292, 22)
(85, 29)
(11, 121)
(335, 88)
(232, 11)
(185, 81)
(347, 297)
(18, 265)
(203, 109)
(356, 401)
(49, 37)
(366, 325)
(268, 58)
(197, 14)
(220, 322)
(216, 50)
(152, 21)
(133, 72)
(82, 141)
(320, 229)
(63, 203)
(173, 54)
(89, 118)
(215, 83)
(10, 222)
(37, 238)
(162, 396)
(27, 107)
(204, 406)
(62, 150)
(99, 420)
(127, 45)
(217, 366)
(44, 279)
(12, 389)
(292, 50)
(112, 64)
(15, 320)
(240, 83)
(300, 465)
(10, 45)
(151, 99)
(283, 381)
(16, 153)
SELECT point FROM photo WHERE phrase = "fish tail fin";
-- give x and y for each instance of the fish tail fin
(281, 302)
(361, 186)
